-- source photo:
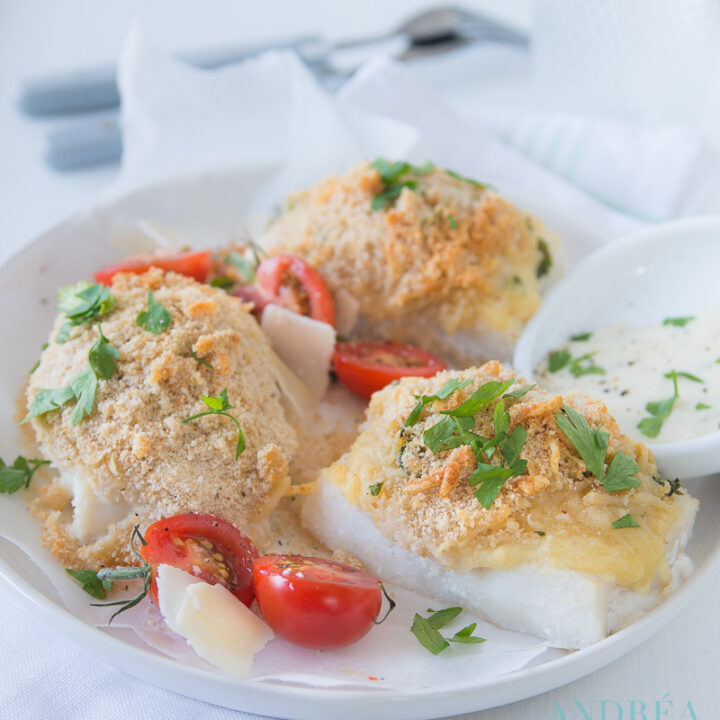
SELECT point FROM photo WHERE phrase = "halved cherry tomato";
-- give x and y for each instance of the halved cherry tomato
(297, 286)
(193, 264)
(365, 367)
(316, 603)
(205, 546)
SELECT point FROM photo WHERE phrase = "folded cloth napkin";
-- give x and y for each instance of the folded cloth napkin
(652, 173)
(271, 112)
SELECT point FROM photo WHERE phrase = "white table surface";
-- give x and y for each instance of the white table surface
(678, 665)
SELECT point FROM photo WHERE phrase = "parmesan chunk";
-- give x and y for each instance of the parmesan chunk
(304, 344)
(215, 623)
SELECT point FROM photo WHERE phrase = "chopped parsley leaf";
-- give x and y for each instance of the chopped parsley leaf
(678, 321)
(702, 406)
(19, 474)
(219, 406)
(626, 521)
(520, 392)
(470, 181)
(541, 533)
(582, 337)
(376, 488)
(200, 360)
(591, 445)
(452, 222)
(156, 319)
(443, 393)
(426, 630)
(223, 282)
(84, 387)
(91, 583)
(82, 303)
(46, 401)
(102, 356)
(683, 374)
(558, 359)
(483, 396)
(659, 410)
(585, 365)
(543, 267)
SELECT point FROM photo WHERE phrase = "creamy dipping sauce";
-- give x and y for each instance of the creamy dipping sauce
(627, 366)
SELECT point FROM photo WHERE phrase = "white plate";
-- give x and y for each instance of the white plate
(209, 210)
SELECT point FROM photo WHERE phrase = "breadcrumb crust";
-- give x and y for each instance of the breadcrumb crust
(134, 451)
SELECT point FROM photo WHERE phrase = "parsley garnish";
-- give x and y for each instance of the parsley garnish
(520, 392)
(102, 356)
(491, 478)
(452, 222)
(626, 521)
(702, 406)
(683, 374)
(678, 321)
(91, 583)
(578, 369)
(200, 360)
(223, 282)
(541, 533)
(483, 396)
(592, 445)
(451, 433)
(82, 303)
(104, 579)
(661, 409)
(19, 474)
(474, 183)
(455, 430)
(156, 318)
(46, 401)
(582, 337)
(558, 360)
(219, 406)
(390, 174)
(579, 366)
(545, 263)
(82, 387)
(426, 630)
(443, 393)
(376, 488)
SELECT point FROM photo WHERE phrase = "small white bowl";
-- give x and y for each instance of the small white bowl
(667, 270)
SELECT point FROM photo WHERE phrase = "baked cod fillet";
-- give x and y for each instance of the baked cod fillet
(132, 459)
(433, 259)
(549, 550)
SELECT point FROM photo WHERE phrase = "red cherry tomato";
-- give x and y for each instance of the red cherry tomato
(205, 546)
(193, 264)
(365, 367)
(297, 286)
(316, 603)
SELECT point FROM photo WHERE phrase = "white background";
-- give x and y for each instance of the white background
(36, 37)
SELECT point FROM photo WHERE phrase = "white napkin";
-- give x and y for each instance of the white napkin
(651, 172)
(271, 112)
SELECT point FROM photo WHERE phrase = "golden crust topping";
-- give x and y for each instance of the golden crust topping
(555, 511)
(135, 448)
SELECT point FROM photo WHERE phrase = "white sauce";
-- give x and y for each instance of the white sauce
(635, 359)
